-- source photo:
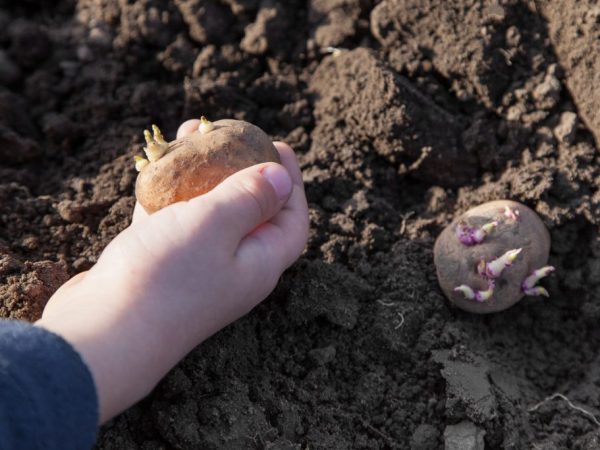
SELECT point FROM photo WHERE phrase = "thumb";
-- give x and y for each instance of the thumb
(245, 200)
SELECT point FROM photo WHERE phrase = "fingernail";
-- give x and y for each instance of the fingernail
(279, 179)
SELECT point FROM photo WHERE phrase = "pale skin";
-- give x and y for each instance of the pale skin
(173, 279)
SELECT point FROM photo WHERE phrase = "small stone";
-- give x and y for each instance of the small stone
(566, 129)
(464, 436)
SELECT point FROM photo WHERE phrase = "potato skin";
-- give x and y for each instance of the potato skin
(196, 163)
(456, 263)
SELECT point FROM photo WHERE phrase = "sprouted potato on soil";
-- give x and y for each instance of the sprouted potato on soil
(490, 257)
(195, 164)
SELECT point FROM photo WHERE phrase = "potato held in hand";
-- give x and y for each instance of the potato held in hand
(195, 164)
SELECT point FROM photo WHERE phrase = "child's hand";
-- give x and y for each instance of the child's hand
(174, 278)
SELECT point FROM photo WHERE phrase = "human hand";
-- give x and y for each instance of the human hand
(174, 278)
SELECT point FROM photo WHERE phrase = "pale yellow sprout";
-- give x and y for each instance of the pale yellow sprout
(156, 144)
(206, 126)
(140, 163)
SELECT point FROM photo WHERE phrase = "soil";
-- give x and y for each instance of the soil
(404, 113)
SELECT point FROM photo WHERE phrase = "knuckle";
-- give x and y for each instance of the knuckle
(256, 193)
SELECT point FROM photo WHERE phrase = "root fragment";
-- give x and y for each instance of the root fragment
(556, 395)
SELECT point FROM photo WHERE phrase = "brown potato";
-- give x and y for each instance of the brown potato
(458, 263)
(195, 164)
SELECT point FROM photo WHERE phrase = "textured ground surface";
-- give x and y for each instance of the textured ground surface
(428, 108)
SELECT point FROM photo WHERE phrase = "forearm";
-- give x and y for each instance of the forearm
(129, 336)
(125, 359)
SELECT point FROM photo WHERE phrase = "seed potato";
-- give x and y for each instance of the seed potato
(458, 259)
(193, 165)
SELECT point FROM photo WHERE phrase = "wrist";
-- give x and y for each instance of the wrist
(122, 355)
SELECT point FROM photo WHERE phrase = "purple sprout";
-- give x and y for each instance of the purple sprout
(511, 215)
(473, 236)
(529, 284)
(494, 268)
(477, 295)
(484, 259)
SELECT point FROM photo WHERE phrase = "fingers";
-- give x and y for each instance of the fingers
(281, 241)
(293, 222)
(242, 202)
(293, 218)
(139, 213)
(289, 161)
(188, 127)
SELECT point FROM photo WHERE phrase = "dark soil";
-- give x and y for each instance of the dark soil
(426, 108)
